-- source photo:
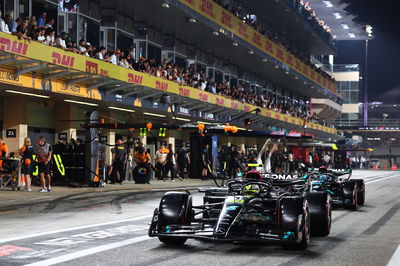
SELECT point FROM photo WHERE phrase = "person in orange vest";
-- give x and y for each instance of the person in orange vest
(161, 161)
(27, 152)
(4, 153)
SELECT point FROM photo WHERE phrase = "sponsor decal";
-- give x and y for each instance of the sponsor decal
(207, 7)
(279, 54)
(92, 67)
(133, 78)
(269, 46)
(203, 97)
(243, 30)
(161, 85)
(13, 46)
(219, 101)
(226, 19)
(64, 60)
(280, 176)
(184, 92)
(256, 39)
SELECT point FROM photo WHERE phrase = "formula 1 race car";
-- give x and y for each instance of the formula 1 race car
(252, 209)
(345, 192)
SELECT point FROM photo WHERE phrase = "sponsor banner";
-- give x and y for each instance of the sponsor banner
(224, 18)
(52, 55)
(32, 80)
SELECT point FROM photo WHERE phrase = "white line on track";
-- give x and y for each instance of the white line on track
(395, 259)
(89, 251)
(381, 179)
(73, 228)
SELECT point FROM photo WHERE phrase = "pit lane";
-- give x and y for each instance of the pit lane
(368, 236)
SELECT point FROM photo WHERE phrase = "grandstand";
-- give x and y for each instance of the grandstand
(218, 60)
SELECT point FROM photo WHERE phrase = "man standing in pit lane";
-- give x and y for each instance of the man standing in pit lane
(119, 158)
(43, 154)
(161, 161)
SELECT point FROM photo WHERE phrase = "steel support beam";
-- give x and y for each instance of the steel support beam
(96, 85)
(75, 81)
(28, 69)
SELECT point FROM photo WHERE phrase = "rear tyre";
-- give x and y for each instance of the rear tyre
(360, 191)
(175, 209)
(300, 210)
(320, 204)
(350, 192)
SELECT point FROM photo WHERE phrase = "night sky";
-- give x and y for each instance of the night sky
(384, 49)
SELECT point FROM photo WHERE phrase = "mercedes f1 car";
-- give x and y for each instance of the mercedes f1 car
(346, 192)
(252, 209)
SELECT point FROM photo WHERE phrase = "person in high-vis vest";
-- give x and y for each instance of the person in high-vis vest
(27, 152)
(43, 155)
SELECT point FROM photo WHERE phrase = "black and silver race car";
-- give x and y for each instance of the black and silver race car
(346, 192)
(252, 209)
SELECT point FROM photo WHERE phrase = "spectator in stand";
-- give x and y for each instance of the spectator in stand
(101, 53)
(50, 24)
(114, 59)
(49, 37)
(60, 41)
(22, 31)
(14, 24)
(32, 24)
(42, 19)
(3, 25)
(81, 46)
(39, 35)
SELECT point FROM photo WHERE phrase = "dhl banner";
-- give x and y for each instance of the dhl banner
(34, 81)
(56, 56)
(225, 19)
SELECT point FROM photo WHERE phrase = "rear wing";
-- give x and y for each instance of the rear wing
(341, 172)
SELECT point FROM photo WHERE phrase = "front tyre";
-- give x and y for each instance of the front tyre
(175, 209)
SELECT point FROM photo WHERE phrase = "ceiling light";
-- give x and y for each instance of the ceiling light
(287, 72)
(235, 44)
(328, 3)
(78, 102)
(182, 119)
(165, 5)
(296, 77)
(251, 52)
(192, 20)
(205, 123)
(265, 60)
(368, 29)
(28, 94)
(215, 33)
(352, 35)
(152, 114)
(337, 15)
(121, 109)
(276, 67)
(305, 83)
(345, 26)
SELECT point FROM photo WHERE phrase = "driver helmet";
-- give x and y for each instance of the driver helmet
(323, 169)
(252, 189)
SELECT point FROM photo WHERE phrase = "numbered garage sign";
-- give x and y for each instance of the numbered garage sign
(11, 133)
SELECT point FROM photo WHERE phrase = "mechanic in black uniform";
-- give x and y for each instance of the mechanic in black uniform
(233, 162)
(119, 160)
(183, 161)
(205, 162)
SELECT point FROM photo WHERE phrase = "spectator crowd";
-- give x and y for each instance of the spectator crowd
(42, 29)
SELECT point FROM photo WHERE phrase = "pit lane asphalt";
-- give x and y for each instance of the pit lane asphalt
(96, 233)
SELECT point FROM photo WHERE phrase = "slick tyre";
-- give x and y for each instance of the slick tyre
(360, 191)
(175, 209)
(320, 205)
(350, 192)
(297, 208)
